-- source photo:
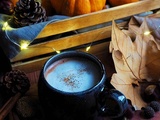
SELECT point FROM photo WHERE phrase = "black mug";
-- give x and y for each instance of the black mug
(72, 86)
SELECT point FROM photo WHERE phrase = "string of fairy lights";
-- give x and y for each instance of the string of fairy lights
(25, 44)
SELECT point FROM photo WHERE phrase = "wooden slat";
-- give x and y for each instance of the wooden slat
(99, 17)
(31, 66)
(100, 50)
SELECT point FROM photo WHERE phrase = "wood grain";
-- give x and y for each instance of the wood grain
(99, 17)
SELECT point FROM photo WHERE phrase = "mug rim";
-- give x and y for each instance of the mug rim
(77, 53)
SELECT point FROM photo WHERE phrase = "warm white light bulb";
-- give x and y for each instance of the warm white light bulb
(88, 48)
(147, 33)
(58, 51)
(24, 45)
(6, 26)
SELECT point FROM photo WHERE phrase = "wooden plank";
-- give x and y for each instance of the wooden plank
(65, 43)
(99, 50)
(31, 66)
(99, 17)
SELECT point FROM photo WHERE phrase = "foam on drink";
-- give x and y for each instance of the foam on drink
(73, 74)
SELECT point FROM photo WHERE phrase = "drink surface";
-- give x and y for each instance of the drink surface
(73, 74)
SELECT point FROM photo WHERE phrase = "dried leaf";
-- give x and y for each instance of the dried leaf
(136, 58)
(129, 89)
(149, 49)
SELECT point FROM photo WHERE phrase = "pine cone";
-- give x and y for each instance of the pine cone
(6, 7)
(28, 12)
(15, 81)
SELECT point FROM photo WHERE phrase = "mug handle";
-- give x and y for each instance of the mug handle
(111, 103)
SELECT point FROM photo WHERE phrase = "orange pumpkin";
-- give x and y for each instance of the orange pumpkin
(120, 2)
(46, 4)
(77, 7)
(14, 2)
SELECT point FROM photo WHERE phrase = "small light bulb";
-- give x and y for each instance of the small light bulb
(147, 33)
(88, 48)
(6, 26)
(58, 51)
(24, 45)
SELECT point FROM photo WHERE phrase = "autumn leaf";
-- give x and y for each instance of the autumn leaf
(129, 89)
(150, 46)
(136, 58)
